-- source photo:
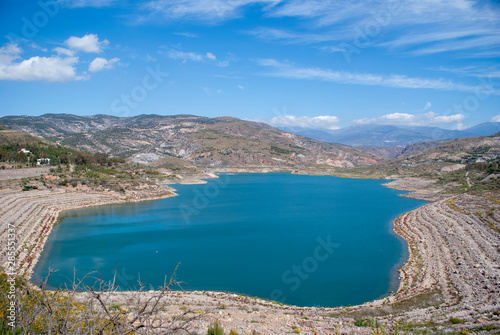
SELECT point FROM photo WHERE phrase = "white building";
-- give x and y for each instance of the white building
(43, 161)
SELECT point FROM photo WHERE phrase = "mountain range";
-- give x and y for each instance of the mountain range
(391, 136)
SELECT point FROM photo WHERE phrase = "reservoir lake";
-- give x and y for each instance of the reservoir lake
(296, 239)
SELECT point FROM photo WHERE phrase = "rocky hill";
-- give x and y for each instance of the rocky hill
(461, 150)
(222, 142)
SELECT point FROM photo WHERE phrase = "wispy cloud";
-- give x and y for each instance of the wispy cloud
(211, 11)
(398, 81)
(286, 36)
(87, 3)
(469, 43)
(186, 34)
(427, 119)
(64, 51)
(471, 71)
(99, 64)
(436, 36)
(188, 56)
(419, 27)
(401, 12)
(181, 55)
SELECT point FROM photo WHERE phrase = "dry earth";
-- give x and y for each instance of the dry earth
(418, 187)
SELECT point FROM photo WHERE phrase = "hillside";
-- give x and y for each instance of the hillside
(448, 167)
(461, 150)
(12, 142)
(14, 137)
(206, 142)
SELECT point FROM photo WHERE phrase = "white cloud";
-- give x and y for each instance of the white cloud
(87, 43)
(427, 105)
(9, 52)
(241, 87)
(100, 64)
(447, 119)
(402, 119)
(211, 56)
(88, 3)
(399, 81)
(321, 122)
(53, 69)
(496, 118)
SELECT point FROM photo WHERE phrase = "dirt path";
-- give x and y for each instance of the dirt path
(12, 174)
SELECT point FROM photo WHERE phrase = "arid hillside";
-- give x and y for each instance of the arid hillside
(205, 142)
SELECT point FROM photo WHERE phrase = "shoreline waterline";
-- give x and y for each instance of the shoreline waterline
(393, 284)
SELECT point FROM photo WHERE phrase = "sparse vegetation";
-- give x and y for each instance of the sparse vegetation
(456, 321)
(215, 329)
(30, 187)
(41, 311)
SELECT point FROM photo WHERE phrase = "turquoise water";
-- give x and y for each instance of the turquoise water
(302, 240)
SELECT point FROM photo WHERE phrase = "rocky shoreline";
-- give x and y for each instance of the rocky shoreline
(453, 271)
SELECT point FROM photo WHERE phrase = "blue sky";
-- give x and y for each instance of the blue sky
(322, 64)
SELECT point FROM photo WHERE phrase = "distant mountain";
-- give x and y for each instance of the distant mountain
(206, 142)
(482, 129)
(387, 135)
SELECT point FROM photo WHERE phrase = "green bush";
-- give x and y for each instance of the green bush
(456, 321)
(215, 329)
(29, 188)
